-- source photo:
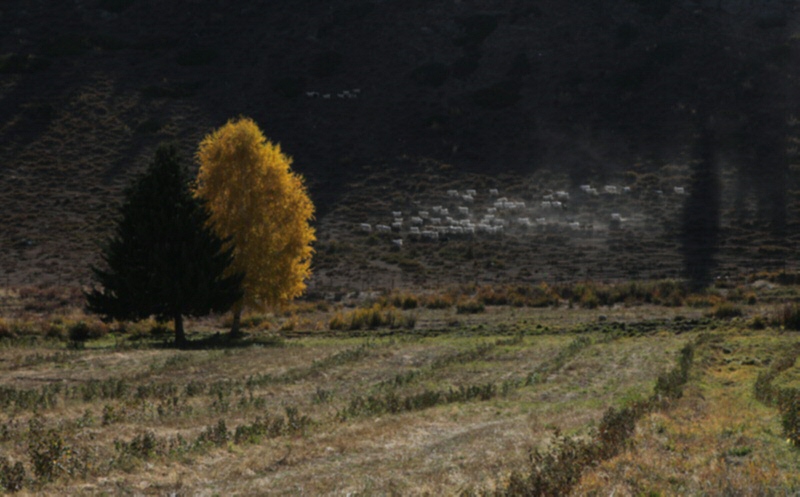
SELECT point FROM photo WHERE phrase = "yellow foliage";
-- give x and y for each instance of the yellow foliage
(257, 201)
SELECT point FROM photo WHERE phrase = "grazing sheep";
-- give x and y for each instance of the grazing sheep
(548, 198)
(493, 192)
(586, 188)
(312, 94)
(463, 210)
(382, 228)
(437, 209)
(430, 235)
(562, 195)
(467, 198)
(611, 189)
(398, 242)
(444, 212)
(575, 225)
(616, 217)
(492, 210)
(416, 220)
(471, 193)
(557, 205)
(424, 214)
(397, 214)
(626, 189)
(436, 220)
(546, 204)
(679, 190)
(452, 193)
(326, 96)
(365, 227)
(541, 220)
(397, 226)
(414, 230)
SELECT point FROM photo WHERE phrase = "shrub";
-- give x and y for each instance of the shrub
(726, 310)
(79, 332)
(790, 317)
(789, 405)
(470, 306)
(12, 476)
(371, 318)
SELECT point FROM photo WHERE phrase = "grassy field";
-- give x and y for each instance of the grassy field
(445, 403)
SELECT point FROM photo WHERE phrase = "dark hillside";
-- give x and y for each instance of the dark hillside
(595, 91)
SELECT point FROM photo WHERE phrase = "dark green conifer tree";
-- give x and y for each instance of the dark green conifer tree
(163, 260)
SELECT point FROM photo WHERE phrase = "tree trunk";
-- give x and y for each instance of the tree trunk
(180, 335)
(237, 319)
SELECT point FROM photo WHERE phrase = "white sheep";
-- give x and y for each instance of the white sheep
(444, 211)
(326, 96)
(365, 227)
(424, 214)
(541, 220)
(493, 192)
(546, 204)
(616, 217)
(397, 214)
(312, 94)
(472, 193)
(626, 189)
(562, 195)
(524, 221)
(557, 205)
(436, 220)
(397, 226)
(452, 193)
(463, 210)
(575, 225)
(430, 235)
(416, 220)
(382, 228)
(492, 210)
(398, 242)
(437, 209)
(467, 198)
(586, 188)
(548, 198)
(679, 190)
(611, 189)
(414, 230)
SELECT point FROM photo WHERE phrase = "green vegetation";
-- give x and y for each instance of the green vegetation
(163, 260)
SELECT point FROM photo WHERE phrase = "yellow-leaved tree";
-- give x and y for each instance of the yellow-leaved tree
(263, 207)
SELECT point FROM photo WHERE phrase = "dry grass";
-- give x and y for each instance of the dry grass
(441, 449)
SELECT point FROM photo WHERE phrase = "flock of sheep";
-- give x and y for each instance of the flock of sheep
(468, 214)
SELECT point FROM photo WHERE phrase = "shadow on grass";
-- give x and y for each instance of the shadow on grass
(225, 341)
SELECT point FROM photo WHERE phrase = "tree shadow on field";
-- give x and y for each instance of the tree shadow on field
(221, 341)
